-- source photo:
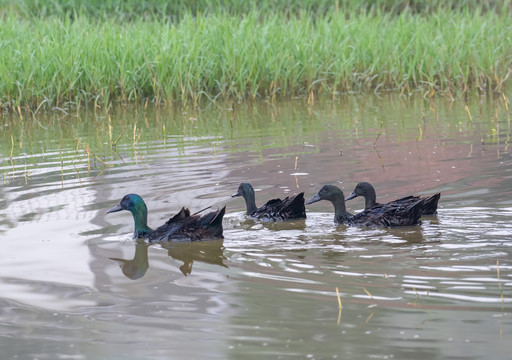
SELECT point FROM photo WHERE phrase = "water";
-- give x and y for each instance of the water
(74, 285)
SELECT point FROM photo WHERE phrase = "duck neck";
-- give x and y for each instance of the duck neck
(340, 211)
(140, 218)
(370, 199)
(250, 203)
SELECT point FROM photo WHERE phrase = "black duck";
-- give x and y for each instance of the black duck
(290, 208)
(366, 190)
(386, 215)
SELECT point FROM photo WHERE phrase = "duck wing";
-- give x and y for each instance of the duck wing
(206, 227)
(389, 215)
(269, 211)
(406, 200)
(286, 209)
(174, 224)
(184, 212)
(428, 204)
(186, 227)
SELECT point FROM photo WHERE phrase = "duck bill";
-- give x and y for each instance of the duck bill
(236, 194)
(115, 209)
(351, 196)
(314, 199)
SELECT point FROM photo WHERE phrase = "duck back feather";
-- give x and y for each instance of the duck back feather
(389, 215)
(287, 209)
(184, 226)
(428, 205)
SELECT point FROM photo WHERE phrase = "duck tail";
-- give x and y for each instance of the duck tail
(213, 222)
(414, 212)
(430, 204)
(219, 215)
(297, 206)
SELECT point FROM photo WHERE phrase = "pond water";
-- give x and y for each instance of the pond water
(74, 285)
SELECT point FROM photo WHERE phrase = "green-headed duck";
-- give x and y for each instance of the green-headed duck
(181, 227)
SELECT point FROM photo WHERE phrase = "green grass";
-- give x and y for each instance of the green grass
(133, 9)
(63, 59)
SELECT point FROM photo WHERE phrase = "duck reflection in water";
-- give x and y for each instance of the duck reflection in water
(210, 252)
(253, 224)
(135, 268)
(411, 235)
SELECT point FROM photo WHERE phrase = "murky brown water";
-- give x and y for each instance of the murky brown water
(73, 285)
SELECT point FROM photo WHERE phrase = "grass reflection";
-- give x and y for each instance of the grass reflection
(86, 144)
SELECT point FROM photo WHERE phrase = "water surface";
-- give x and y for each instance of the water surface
(74, 285)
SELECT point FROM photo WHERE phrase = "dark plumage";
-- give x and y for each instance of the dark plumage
(428, 207)
(181, 227)
(383, 215)
(275, 209)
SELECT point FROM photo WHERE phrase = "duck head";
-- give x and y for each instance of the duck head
(327, 192)
(335, 196)
(130, 202)
(247, 191)
(361, 189)
(367, 191)
(134, 204)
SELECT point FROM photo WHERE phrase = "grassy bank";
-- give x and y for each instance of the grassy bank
(176, 9)
(63, 60)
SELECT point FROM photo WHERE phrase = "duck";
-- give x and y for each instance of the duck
(181, 227)
(290, 208)
(387, 215)
(366, 190)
